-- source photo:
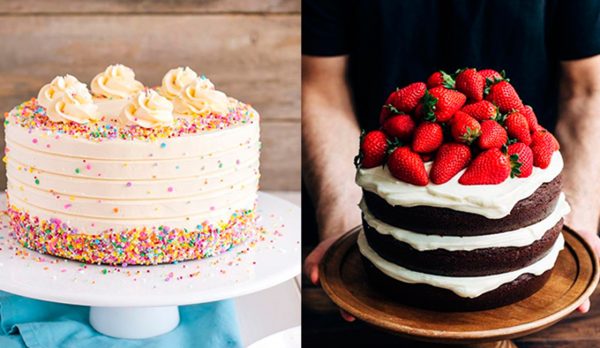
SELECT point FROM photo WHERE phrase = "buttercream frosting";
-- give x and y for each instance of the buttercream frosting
(74, 104)
(491, 201)
(56, 88)
(469, 287)
(517, 238)
(148, 109)
(116, 81)
(199, 98)
(176, 79)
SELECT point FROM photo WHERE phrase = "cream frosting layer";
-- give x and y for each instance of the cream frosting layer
(491, 201)
(517, 238)
(95, 186)
(469, 287)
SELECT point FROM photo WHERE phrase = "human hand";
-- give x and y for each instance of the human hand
(311, 267)
(594, 241)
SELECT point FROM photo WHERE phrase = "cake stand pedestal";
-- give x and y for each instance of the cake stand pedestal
(142, 301)
(574, 279)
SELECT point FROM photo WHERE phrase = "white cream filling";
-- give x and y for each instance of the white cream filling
(516, 238)
(470, 287)
(491, 201)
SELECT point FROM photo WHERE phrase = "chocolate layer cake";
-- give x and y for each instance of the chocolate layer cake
(462, 205)
(435, 253)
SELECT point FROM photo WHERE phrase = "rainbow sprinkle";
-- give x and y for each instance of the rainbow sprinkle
(30, 115)
(138, 246)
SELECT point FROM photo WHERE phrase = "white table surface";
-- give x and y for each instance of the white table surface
(272, 310)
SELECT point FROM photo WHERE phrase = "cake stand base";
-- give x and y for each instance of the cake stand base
(575, 276)
(142, 301)
(134, 322)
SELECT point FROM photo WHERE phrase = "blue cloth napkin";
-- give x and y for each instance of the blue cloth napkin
(31, 323)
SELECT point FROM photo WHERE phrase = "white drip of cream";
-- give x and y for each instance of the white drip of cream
(469, 287)
(517, 238)
(491, 201)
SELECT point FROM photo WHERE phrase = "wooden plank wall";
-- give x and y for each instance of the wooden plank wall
(249, 48)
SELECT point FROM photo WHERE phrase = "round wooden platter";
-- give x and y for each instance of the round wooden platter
(574, 278)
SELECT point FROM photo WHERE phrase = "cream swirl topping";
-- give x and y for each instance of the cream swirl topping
(55, 89)
(148, 109)
(74, 104)
(116, 81)
(199, 98)
(175, 80)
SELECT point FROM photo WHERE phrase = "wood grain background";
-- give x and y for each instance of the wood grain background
(249, 48)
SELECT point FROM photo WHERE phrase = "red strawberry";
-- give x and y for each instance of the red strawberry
(464, 128)
(427, 137)
(450, 159)
(493, 135)
(400, 126)
(490, 74)
(522, 164)
(532, 121)
(517, 127)
(439, 103)
(407, 166)
(503, 94)
(481, 110)
(543, 136)
(471, 84)
(406, 99)
(385, 113)
(543, 145)
(440, 78)
(489, 168)
(373, 149)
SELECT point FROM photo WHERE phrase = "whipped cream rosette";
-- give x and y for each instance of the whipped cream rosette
(175, 80)
(74, 104)
(148, 109)
(116, 81)
(56, 88)
(200, 98)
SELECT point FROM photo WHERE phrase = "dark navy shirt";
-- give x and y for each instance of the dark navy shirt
(392, 43)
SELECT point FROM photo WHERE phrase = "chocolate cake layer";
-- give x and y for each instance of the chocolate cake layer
(462, 263)
(439, 299)
(448, 222)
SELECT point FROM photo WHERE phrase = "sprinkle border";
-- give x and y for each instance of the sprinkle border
(137, 246)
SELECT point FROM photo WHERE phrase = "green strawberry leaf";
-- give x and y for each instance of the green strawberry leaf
(429, 106)
(515, 165)
(448, 80)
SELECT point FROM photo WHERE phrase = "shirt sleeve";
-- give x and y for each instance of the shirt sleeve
(578, 29)
(324, 27)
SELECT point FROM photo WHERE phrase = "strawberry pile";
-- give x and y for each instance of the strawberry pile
(470, 119)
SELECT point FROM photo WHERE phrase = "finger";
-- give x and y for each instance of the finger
(585, 306)
(314, 275)
(347, 316)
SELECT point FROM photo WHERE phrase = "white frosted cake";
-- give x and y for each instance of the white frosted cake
(132, 175)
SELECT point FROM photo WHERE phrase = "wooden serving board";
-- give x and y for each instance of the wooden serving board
(574, 278)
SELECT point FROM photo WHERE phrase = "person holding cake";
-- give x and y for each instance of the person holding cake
(458, 165)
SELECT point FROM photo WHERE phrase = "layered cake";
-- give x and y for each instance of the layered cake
(462, 204)
(126, 174)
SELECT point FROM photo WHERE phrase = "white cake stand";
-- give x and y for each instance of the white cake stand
(141, 301)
